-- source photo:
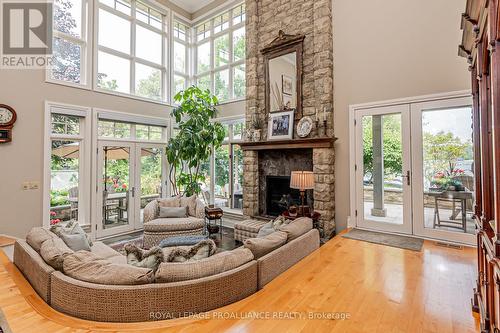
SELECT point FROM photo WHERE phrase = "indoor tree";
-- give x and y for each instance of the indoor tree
(193, 142)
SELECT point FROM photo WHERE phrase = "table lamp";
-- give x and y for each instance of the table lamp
(302, 181)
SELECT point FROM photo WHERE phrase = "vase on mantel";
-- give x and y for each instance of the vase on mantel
(256, 135)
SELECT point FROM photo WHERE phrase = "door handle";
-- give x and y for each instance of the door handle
(408, 178)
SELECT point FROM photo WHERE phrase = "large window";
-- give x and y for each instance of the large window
(181, 56)
(70, 41)
(228, 165)
(143, 50)
(220, 54)
(133, 60)
(67, 165)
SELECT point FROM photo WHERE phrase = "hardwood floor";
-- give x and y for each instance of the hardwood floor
(379, 288)
(5, 241)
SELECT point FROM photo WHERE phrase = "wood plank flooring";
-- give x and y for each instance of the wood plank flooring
(378, 288)
(6, 241)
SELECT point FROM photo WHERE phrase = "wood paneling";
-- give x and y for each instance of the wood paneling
(480, 45)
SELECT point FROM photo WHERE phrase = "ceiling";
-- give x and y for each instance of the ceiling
(191, 6)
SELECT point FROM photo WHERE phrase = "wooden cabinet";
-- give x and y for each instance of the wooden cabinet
(481, 46)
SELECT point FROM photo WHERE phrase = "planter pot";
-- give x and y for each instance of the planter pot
(256, 135)
(248, 135)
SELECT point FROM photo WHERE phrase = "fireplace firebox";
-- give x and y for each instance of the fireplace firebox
(279, 195)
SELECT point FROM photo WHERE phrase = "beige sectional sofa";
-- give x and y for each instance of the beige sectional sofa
(183, 289)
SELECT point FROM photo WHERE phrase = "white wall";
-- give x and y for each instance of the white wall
(386, 49)
(22, 159)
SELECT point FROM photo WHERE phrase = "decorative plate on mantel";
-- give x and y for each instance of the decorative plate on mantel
(304, 127)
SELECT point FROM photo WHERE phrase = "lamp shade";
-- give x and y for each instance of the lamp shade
(302, 180)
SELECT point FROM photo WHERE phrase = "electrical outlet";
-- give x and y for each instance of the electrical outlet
(34, 185)
(26, 186)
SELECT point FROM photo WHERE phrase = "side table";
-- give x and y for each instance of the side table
(213, 220)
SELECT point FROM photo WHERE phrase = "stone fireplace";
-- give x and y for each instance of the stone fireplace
(313, 19)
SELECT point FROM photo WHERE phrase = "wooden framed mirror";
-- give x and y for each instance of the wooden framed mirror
(283, 73)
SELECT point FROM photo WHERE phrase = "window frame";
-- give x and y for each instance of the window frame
(84, 167)
(134, 22)
(211, 40)
(187, 75)
(86, 47)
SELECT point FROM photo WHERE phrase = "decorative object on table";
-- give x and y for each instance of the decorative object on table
(293, 211)
(302, 181)
(8, 117)
(197, 131)
(257, 129)
(304, 127)
(286, 85)
(213, 220)
(280, 126)
(448, 180)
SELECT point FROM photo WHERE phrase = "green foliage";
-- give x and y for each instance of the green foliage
(151, 86)
(58, 198)
(393, 163)
(197, 134)
(441, 153)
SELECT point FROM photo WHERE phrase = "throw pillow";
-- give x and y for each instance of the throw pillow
(75, 242)
(266, 229)
(70, 228)
(142, 258)
(262, 246)
(53, 251)
(172, 212)
(37, 236)
(200, 209)
(297, 228)
(88, 267)
(280, 221)
(203, 249)
(170, 202)
(190, 203)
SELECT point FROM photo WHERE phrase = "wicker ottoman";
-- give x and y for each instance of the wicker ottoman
(247, 229)
(157, 230)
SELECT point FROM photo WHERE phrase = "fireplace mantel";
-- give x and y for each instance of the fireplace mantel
(289, 144)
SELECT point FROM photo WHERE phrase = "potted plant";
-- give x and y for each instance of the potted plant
(257, 129)
(197, 134)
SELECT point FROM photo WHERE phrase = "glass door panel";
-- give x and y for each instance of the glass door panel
(384, 196)
(116, 187)
(444, 177)
(222, 176)
(151, 178)
(237, 177)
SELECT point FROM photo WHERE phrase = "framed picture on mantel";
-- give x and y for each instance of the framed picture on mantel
(280, 126)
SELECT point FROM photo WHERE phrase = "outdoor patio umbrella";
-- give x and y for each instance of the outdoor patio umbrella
(72, 150)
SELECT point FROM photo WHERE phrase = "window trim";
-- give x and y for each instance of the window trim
(85, 153)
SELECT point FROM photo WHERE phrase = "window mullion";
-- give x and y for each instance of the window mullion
(133, 46)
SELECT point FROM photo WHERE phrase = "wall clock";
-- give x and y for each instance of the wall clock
(7, 119)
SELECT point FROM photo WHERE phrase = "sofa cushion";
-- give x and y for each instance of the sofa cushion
(102, 250)
(190, 270)
(297, 228)
(88, 267)
(119, 259)
(174, 224)
(169, 202)
(262, 246)
(173, 212)
(37, 236)
(53, 251)
(190, 203)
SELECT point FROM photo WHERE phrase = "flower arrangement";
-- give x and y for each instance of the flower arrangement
(53, 219)
(447, 179)
(115, 185)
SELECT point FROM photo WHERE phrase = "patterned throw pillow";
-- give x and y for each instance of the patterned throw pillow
(143, 258)
(170, 202)
(190, 203)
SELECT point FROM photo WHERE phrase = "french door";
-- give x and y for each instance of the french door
(383, 176)
(414, 169)
(129, 175)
